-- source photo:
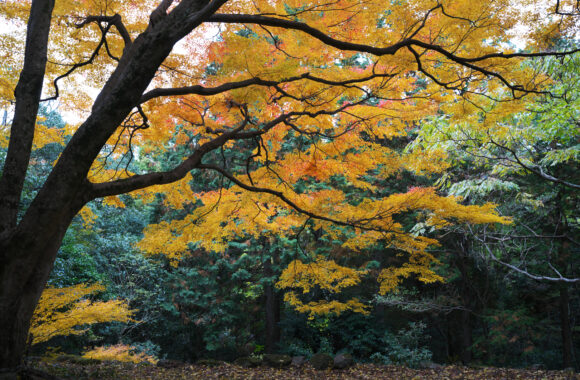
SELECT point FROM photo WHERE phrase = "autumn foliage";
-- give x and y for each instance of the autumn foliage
(120, 353)
(253, 120)
(68, 311)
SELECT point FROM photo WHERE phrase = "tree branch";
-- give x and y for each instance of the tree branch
(378, 51)
(110, 20)
(576, 12)
(387, 50)
(207, 91)
(194, 160)
(115, 20)
(539, 171)
(137, 182)
(285, 199)
(560, 278)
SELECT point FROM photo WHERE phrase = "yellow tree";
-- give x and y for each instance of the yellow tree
(255, 71)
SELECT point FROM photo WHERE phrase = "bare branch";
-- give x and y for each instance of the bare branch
(110, 20)
(115, 20)
(560, 278)
(525, 272)
(418, 306)
(576, 11)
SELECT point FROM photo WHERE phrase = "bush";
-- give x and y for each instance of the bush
(404, 348)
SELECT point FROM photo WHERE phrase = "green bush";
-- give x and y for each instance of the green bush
(404, 347)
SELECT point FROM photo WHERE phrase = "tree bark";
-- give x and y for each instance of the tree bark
(23, 278)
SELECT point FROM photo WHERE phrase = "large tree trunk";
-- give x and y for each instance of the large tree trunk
(28, 248)
(26, 264)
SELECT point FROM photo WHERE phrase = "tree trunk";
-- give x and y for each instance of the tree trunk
(463, 264)
(466, 337)
(27, 260)
(564, 302)
(562, 262)
(27, 96)
(28, 248)
(272, 318)
(272, 300)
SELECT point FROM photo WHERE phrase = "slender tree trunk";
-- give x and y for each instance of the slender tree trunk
(562, 262)
(272, 318)
(466, 300)
(465, 318)
(272, 300)
(564, 301)
(466, 337)
(27, 96)
(22, 277)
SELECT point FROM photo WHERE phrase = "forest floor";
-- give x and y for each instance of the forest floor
(124, 371)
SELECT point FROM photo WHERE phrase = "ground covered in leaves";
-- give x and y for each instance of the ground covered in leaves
(118, 370)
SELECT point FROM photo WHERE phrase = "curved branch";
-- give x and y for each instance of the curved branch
(137, 182)
(110, 20)
(207, 91)
(387, 50)
(285, 199)
(539, 171)
(560, 278)
(378, 51)
(115, 20)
